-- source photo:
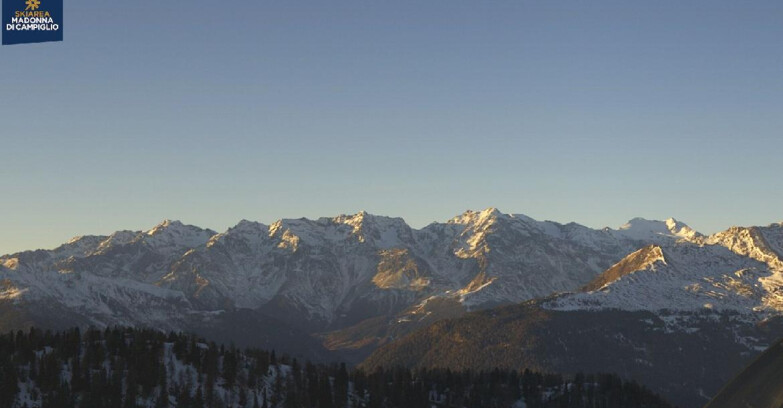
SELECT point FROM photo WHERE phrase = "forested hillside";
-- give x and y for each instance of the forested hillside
(127, 368)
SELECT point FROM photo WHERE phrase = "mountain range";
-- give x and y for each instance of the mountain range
(515, 292)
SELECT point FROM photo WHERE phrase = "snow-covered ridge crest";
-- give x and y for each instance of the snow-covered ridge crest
(175, 232)
(386, 232)
(477, 217)
(764, 244)
(693, 278)
(739, 269)
(339, 270)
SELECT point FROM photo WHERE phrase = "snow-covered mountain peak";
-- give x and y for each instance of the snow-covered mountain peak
(643, 224)
(118, 238)
(75, 239)
(176, 227)
(292, 231)
(764, 244)
(681, 229)
(83, 239)
(164, 225)
(79, 245)
(485, 216)
(492, 216)
(644, 229)
(172, 233)
(249, 226)
(355, 220)
(248, 231)
(385, 232)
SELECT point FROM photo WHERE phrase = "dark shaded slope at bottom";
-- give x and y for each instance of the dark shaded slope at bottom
(760, 385)
(242, 327)
(685, 365)
(124, 367)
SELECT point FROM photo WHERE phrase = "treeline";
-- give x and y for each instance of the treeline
(130, 368)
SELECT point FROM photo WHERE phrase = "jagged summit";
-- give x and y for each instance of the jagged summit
(243, 229)
(176, 227)
(164, 225)
(175, 236)
(82, 238)
(244, 224)
(82, 242)
(363, 217)
(477, 217)
(637, 228)
(383, 231)
(117, 239)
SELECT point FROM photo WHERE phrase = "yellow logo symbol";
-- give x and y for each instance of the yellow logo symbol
(32, 4)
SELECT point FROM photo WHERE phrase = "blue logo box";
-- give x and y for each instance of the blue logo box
(32, 21)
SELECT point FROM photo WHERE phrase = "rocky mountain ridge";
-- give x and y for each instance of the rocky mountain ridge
(360, 281)
(323, 272)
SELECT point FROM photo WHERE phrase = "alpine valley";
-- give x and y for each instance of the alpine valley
(653, 301)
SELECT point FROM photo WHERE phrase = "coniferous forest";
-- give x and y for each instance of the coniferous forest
(127, 368)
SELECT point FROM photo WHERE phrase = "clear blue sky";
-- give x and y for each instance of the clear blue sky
(210, 112)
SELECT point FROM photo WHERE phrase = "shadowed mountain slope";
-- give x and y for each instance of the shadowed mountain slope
(760, 385)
